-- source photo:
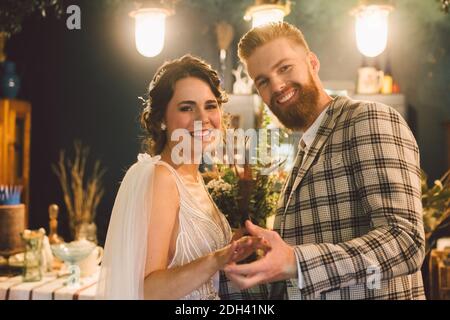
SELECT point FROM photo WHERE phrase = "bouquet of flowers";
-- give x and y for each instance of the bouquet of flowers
(249, 189)
(244, 194)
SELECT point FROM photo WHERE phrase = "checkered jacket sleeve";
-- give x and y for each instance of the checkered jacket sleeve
(385, 166)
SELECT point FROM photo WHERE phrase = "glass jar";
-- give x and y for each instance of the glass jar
(33, 250)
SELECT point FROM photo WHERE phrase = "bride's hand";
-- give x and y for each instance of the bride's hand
(247, 245)
(240, 249)
(225, 255)
(239, 233)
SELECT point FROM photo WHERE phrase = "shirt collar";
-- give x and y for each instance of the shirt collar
(310, 133)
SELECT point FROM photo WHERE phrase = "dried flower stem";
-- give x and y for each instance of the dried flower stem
(81, 197)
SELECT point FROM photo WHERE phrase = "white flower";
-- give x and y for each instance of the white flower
(218, 186)
(438, 183)
(145, 157)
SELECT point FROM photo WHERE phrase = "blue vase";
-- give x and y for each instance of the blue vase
(10, 81)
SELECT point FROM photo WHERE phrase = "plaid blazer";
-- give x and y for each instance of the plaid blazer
(353, 210)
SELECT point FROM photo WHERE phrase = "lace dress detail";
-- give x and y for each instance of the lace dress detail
(202, 230)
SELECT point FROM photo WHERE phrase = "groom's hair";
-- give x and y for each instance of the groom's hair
(259, 36)
(161, 91)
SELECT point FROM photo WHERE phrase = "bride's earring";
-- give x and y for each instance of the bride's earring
(163, 127)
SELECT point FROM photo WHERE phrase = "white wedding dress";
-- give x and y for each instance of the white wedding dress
(123, 267)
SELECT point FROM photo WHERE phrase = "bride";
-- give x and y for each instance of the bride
(166, 237)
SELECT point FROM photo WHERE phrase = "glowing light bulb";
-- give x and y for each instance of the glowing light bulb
(265, 16)
(372, 29)
(261, 14)
(150, 29)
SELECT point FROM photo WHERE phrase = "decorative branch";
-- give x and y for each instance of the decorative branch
(81, 196)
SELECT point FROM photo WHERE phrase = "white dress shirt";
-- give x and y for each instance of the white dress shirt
(305, 143)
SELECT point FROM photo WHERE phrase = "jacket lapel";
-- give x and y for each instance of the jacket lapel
(326, 127)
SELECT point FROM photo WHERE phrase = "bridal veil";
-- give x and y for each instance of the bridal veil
(123, 266)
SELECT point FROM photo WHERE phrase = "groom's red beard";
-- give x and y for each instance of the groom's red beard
(301, 112)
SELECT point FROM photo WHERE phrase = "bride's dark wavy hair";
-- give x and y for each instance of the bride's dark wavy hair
(161, 90)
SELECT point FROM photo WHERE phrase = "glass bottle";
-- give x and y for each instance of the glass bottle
(10, 81)
(387, 79)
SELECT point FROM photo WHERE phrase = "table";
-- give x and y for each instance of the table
(51, 287)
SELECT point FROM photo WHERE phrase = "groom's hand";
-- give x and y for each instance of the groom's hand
(279, 263)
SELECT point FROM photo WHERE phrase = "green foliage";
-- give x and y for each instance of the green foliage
(435, 201)
(13, 12)
(264, 198)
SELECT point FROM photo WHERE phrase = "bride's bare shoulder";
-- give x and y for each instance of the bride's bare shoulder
(164, 181)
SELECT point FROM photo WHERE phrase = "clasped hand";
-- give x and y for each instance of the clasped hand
(241, 249)
(278, 262)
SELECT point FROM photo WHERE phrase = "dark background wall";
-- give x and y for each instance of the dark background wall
(84, 84)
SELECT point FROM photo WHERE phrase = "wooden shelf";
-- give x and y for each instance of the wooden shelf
(15, 138)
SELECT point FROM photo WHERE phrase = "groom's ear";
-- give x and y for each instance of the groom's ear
(314, 62)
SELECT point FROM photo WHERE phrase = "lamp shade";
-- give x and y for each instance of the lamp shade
(264, 13)
(150, 29)
(371, 26)
(265, 16)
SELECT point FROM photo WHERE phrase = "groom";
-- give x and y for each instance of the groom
(349, 223)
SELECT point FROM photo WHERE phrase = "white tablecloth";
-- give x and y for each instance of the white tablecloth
(51, 287)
